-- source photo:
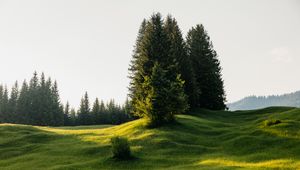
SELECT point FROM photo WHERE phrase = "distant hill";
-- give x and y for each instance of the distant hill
(257, 102)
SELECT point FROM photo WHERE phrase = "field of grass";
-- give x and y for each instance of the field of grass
(202, 140)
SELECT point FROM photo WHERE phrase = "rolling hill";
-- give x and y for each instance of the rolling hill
(202, 140)
(258, 102)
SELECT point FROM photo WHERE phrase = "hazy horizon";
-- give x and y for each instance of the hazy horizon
(87, 45)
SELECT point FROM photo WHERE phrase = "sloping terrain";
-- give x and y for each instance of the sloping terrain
(202, 140)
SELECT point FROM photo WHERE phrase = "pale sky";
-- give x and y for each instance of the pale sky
(86, 45)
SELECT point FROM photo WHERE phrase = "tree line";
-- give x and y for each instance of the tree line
(170, 74)
(38, 103)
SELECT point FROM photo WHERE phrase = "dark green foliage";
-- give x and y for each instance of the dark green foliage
(3, 104)
(39, 104)
(12, 103)
(272, 122)
(120, 148)
(36, 104)
(154, 75)
(207, 69)
(178, 51)
(67, 115)
(164, 99)
(84, 110)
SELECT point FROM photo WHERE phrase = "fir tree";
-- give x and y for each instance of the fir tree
(183, 63)
(1, 102)
(12, 103)
(5, 107)
(57, 107)
(135, 67)
(84, 110)
(154, 50)
(23, 104)
(96, 112)
(67, 119)
(164, 99)
(207, 69)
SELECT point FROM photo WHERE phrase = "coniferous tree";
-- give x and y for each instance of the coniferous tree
(207, 69)
(12, 103)
(183, 66)
(5, 107)
(23, 104)
(57, 107)
(164, 99)
(84, 110)
(1, 102)
(96, 112)
(135, 67)
(73, 117)
(44, 112)
(33, 114)
(154, 50)
(67, 118)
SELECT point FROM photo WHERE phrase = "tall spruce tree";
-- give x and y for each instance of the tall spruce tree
(164, 99)
(57, 107)
(44, 113)
(67, 119)
(12, 103)
(207, 69)
(1, 102)
(135, 67)
(33, 114)
(5, 105)
(183, 66)
(154, 49)
(23, 104)
(84, 110)
(96, 112)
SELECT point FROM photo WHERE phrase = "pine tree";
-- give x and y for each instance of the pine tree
(12, 104)
(73, 117)
(154, 50)
(23, 104)
(164, 99)
(84, 110)
(33, 108)
(44, 116)
(67, 119)
(207, 69)
(96, 112)
(183, 63)
(5, 105)
(1, 103)
(57, 107)
(136, 66)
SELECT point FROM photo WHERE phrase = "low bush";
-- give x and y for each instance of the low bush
(271, 122)
(120, 148)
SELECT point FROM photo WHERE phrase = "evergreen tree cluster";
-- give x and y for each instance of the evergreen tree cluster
(99, 113)
(170, 74)
(36, 103)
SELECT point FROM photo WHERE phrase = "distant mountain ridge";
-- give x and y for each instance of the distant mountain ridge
(257, 102)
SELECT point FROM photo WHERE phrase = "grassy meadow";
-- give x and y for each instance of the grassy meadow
(201, 140)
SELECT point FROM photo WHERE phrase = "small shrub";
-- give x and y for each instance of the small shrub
(271, 122)
(120, 148)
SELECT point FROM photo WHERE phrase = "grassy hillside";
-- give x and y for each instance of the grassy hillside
(202, 140)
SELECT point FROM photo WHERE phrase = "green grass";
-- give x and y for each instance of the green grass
(202, 140)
